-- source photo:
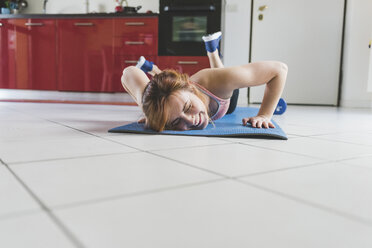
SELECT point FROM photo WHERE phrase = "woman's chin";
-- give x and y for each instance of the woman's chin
(205, 122)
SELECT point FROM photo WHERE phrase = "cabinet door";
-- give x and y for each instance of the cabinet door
(307, 36)
(184, 64)
(7, 55)
(84, 54)
(35, 55)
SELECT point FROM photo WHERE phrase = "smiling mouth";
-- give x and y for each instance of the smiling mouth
(199, 122)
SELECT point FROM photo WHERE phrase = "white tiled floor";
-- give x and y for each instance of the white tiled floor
(66, 182)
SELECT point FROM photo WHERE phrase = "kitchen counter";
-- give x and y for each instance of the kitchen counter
(79, 16)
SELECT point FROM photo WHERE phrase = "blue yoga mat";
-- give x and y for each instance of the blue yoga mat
(228, 126)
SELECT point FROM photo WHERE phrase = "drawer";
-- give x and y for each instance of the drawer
(135, 26)
(144, 44)
(184, 64)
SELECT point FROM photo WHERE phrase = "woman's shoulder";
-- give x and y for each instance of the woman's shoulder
(207, 79)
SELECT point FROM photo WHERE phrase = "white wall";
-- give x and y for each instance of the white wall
(78, 6)
(236, 28)
(358, 33)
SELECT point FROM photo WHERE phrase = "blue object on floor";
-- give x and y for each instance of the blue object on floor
(228, 126)
(281, 107)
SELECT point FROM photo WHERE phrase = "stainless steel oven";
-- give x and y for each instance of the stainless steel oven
(182, 23)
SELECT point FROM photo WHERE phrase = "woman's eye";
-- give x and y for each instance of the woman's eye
(189, 108)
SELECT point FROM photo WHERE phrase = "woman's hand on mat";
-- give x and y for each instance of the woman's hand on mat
(142, 120)
(259, 121)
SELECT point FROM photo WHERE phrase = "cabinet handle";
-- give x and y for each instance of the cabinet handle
(134, 43)
(188, 62)
(134, 24)
(131, 61)
(34, 24)
(83, 24)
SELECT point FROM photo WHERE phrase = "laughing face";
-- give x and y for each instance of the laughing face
(186, 111)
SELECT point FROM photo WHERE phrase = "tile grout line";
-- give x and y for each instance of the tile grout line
(276, 150)
(134, 194)
(340, 141)
(299, 154)
(18, 214)
(69, 158)
(280, 170)
(356, 218)
(51, 215)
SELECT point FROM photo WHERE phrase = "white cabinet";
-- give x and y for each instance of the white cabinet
(307, 36)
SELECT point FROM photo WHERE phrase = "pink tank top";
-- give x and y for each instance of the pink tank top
(223, 104)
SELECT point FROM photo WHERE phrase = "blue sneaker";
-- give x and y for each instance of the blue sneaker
(281, 107)
(212, 41)
(144, 64)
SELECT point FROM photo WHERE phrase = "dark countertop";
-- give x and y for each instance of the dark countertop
(77, 16)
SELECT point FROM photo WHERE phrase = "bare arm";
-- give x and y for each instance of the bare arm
(223, 81)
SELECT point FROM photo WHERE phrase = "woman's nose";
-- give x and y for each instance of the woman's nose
(189, 119)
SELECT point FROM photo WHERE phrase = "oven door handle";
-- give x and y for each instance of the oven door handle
(206, 8)
(187, 62)
(134, 43)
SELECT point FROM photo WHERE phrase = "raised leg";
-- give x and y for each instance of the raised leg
(215, 60)
(147, 66)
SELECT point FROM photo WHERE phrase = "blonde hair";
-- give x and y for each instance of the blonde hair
(155, 97)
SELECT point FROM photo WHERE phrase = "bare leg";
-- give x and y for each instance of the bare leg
(215, 60)
(155, 70)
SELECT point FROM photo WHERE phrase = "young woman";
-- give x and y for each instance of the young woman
(174, 101)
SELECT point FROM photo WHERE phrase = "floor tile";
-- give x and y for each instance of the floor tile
(359, 138)
(13, 197)
(34, 150)
(35, 130)
(237, 159)
(87, 179)
(323, 149)
(162, 142)
(337, 118)
(221, 214)
(363, 161)
(337, 186)
(35, 230)
(308, 130)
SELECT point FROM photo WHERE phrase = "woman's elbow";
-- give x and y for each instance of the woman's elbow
(281, 68)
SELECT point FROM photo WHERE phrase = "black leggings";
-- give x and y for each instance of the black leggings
(233, 101)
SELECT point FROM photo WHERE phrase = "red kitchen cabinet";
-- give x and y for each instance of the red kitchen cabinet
(133, 37)
(184, 64)
(85, 54)
(35, 54)
(7, 55)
